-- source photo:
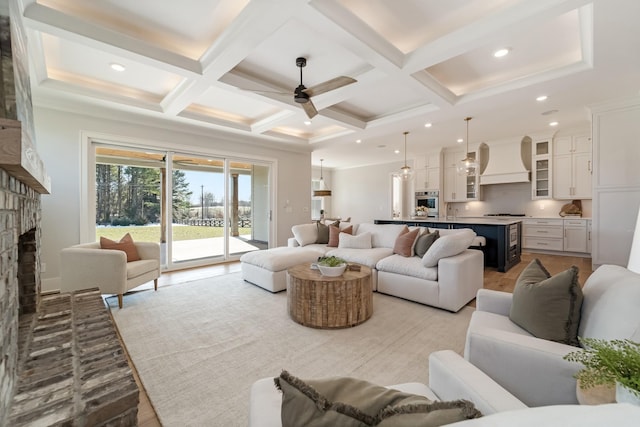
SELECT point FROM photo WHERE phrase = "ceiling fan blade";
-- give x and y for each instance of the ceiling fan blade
(310, 109)
(329, 85)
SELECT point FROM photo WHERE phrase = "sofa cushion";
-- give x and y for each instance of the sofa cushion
(368, 257)
(425, 241)
(278, 259)
(382, 235)
(125, 244)
(334, 234)
(361, 241)
(305, 234)
(548, 306)
(407, 266)
(406, 242)
(449, 245)
(343, 401)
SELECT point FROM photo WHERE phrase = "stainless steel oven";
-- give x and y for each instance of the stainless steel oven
(429, 199)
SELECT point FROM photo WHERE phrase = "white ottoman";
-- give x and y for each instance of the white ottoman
(268, 268)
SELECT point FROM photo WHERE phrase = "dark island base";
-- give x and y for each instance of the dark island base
(497, 253)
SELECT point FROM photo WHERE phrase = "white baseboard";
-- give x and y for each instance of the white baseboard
(50, 285)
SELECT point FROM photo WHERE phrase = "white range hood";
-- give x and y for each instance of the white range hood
(509, 161)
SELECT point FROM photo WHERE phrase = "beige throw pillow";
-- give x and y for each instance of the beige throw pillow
(546, 306)
(449, 245)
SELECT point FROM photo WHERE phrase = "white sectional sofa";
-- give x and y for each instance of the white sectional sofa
(454, 276)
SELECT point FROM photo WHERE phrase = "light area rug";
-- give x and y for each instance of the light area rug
(199, 346)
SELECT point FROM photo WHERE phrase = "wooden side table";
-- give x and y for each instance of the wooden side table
(329, 302)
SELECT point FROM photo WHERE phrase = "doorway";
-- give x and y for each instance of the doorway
(202, 209)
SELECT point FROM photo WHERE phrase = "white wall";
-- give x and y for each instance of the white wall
(59, 145)
(363, 193)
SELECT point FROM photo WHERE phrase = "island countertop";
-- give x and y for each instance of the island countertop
(461, 220)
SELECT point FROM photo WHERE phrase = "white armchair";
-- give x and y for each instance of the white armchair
(87, 266)
(533, 369)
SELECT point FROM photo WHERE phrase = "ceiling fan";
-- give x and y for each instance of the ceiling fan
(302, 94)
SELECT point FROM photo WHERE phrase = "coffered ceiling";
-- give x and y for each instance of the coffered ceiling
(230, 65)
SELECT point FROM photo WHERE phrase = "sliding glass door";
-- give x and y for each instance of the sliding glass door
(202, 209)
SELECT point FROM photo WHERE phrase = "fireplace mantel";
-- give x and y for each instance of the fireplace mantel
(19, 157)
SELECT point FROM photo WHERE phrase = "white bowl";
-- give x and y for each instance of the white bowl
(332, 271)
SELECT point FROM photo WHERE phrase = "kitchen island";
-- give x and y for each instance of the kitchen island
(503, 235)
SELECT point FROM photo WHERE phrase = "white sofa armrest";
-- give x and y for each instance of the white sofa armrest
(451, 377)
(494, 301)
(530, 368)
(82, 268)
(459, 279)
(292, 242)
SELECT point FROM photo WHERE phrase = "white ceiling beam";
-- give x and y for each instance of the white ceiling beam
(267, 123)
(255, 23)
(511, 20)
(70, 28)
(105, 95)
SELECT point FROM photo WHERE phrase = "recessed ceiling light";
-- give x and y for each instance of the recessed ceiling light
(397, 151)
(307, 122)
(117, 67)
(460, 141)
(553, 123)
(541, 98)
(501, 52)
(358, 141)
(427, 125)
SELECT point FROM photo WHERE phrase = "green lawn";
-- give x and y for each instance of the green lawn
(151, 233)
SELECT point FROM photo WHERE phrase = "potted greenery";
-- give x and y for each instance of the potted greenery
(331, 266)
(610, 362)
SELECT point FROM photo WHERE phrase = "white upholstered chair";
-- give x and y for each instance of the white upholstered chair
(87, 266)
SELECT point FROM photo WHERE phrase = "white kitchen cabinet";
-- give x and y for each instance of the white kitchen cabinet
(541, 174)
(428, 172)
(459, 187)
(543, 234)
(588, 236)
(575, 235)
(572, 167)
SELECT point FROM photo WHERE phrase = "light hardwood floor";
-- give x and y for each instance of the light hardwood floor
(492, 280)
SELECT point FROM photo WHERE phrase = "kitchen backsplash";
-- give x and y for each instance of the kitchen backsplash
(514, 199)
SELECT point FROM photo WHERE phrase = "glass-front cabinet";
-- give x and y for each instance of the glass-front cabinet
(541, 173)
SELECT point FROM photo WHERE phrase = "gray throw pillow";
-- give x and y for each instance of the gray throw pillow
(323, 233)
(546, 306)
(347, 402)
(424, 242)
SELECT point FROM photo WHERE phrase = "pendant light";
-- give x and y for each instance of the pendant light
(467, 165)
(406, 173)
(322, 191)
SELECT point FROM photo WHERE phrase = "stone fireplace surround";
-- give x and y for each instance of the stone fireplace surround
(61, 361)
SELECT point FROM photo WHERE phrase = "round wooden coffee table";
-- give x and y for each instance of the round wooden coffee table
(329, 302)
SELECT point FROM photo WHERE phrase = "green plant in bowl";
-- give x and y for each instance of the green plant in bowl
(331, 261)
(608, 362)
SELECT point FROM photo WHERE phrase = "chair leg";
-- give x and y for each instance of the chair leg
(155, 284)
(119, 300)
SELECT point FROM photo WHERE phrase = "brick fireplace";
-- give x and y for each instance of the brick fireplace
(61, 361)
